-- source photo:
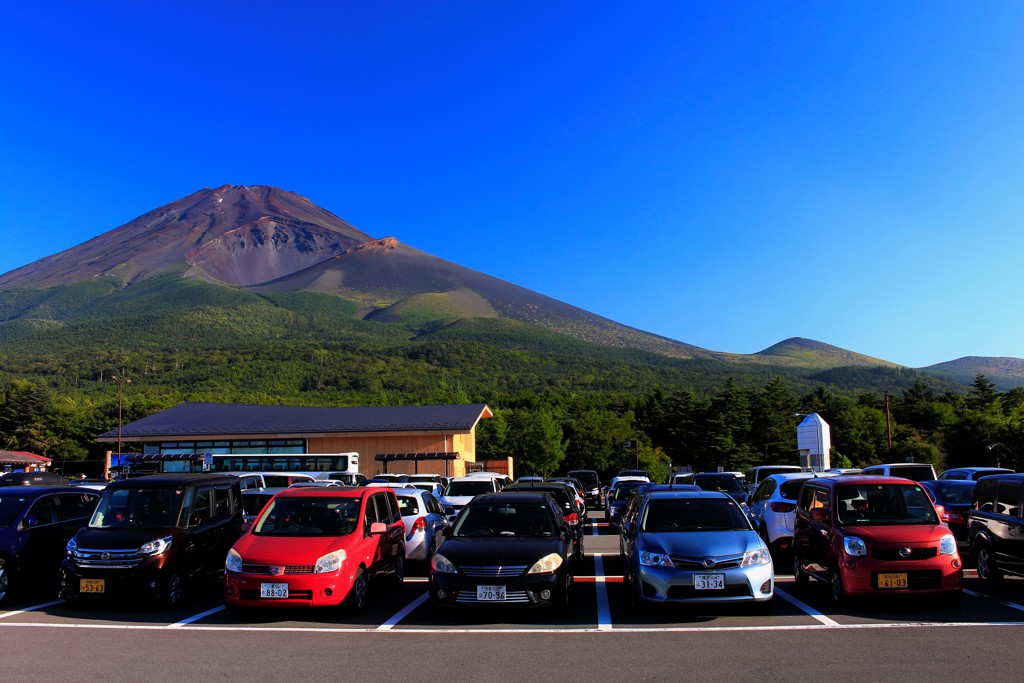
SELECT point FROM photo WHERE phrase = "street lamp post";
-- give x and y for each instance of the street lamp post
(121, 381)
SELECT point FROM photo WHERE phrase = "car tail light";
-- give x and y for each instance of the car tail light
(419, 525)
(572, 518)
(782, 507)
(950, 517)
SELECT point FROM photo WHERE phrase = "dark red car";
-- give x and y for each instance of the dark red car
(875, 535)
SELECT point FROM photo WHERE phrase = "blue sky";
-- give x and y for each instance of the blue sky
(728, 174)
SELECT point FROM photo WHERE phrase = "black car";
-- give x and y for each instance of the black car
(996, 526)
(564, 495)
(150, 536)
(591, 483)
(35, 525)
(619, 498)
(506, 549)
(726, 482)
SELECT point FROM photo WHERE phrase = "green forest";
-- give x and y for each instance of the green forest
(559, 403)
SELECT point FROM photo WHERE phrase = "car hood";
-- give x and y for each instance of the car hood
(700, 543)
(898, 533)
(121, 539)
(501, 550)
(293, 550)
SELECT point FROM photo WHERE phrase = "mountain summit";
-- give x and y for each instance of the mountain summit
(266, 239)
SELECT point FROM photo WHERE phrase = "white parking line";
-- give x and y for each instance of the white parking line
(604, 613)
(1012, 605)
(403, 613)
(29, 609)
(196, 617)
(806, 608)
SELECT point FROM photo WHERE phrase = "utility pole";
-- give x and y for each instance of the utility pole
(888, 420)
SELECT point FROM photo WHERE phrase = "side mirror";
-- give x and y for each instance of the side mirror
(31, 521)
(819, 515)
(378, 528)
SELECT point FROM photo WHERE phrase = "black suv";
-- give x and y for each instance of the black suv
(996, 526)
(591, 486)
(150, 535)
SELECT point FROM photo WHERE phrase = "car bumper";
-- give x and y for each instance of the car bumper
(304, 590)
(143, 580)
(455, 590)
(673, 585)
(943, 574)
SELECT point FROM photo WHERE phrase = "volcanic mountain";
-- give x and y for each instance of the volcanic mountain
(265, 239)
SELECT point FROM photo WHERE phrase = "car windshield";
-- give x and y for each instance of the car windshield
(320, 516)
(623, 491)
(253, 504)
(586, 478)
(137, 508)
(789, 490)
(693, 514)
(505, 519)
(10, 506)
(473, 487)
(884, 504)
(718, 482)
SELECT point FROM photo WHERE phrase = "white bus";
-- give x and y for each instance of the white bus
(313, 464)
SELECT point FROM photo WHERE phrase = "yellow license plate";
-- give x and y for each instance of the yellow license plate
(893, 580)
(91, 585)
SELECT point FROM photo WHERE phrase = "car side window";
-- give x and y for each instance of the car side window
(44, 510)
(807, 497)
(821, 499)
(222, 503)
(75, 506)
(201, 507)
(984, 494)
(764, 491)
(1008, 498)
(394, 514)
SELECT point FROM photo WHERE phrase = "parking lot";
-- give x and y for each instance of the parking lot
(599, 603)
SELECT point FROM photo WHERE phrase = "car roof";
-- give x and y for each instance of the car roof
(1015, 475)
(36, 491)
(170, 480)
(864, 480)
(328, 492)
(511, 496)
(659, 495)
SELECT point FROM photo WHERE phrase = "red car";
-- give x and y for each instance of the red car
(874, 535)
(317, 546)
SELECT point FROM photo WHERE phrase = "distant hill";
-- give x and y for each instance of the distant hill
(806, 353)
(1004, 373)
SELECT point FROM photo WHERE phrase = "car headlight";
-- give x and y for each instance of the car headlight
(441, 565)
(947, 545)
(72, 548)
(233, 563)
(546, 564)
(854, 546)
(649, 559)
(755, 557)
(331, 562)
(155, 547)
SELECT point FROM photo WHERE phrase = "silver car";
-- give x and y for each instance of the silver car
(423, 519)
(695, 547)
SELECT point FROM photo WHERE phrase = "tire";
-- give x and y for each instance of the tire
(356, 600)
(835, 582)
(799, 575)
(637, 602)
(5, 583)
(399, 575)
(172, 590)
(578, 551)
(987, 571)
(561, 602)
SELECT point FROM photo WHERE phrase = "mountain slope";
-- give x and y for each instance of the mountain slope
(807, 353)
(1005, 373)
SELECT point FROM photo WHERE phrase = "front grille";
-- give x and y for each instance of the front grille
(740, 590)
(697, 563)
(893, 554)
(493, 571)
(518, 597)
(107, 559)
(265, 569)
(292, 595)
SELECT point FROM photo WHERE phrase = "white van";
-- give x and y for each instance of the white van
(918, 471)
(755, 475)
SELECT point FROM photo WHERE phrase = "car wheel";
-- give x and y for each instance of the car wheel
(5, 583)
(173, 590)
(798, 573)
(636, 595)
(987, 571)
(836, 583)
(357, 598)
(578, 550)
(399, 575)
(561, 602)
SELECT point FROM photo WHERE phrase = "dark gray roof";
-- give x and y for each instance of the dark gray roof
(211, 419)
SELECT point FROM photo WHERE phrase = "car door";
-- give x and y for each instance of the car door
(201, 543)
(1008, 529)
(42, 532)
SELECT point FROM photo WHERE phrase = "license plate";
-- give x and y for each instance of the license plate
(91, 585)
(709, 582)
(893, 580)
(490, 593)
(273, 590)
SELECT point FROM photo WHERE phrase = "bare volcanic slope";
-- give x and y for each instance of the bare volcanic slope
(800, 352)
(234, 235)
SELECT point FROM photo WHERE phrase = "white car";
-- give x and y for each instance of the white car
(461, 490)
(772, 508)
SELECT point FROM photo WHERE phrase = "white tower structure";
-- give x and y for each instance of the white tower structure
(814, 441)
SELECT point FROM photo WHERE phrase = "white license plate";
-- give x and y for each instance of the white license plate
(490, 593)
(273, 590)
(709, 582)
